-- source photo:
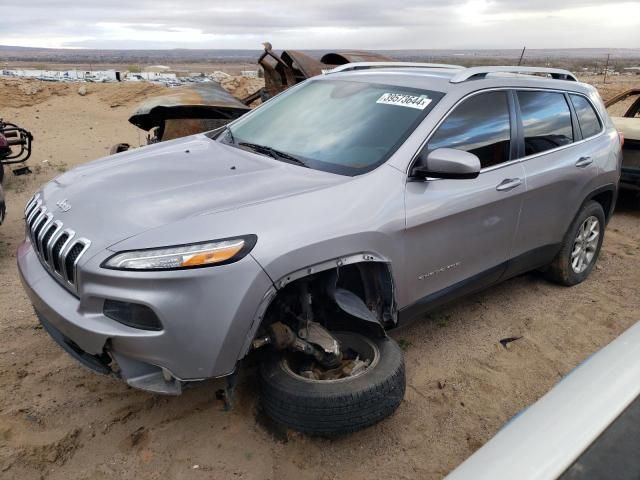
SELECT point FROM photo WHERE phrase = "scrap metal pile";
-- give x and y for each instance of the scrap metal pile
(15, 147)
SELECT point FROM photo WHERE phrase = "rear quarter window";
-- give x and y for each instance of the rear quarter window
(546, 119)
(587, 118)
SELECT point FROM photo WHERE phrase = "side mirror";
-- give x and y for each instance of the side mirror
(446, 163)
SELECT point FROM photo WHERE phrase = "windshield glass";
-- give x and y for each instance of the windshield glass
(343, 127)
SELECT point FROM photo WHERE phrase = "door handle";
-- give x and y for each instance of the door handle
(583, 162)
(509, 184)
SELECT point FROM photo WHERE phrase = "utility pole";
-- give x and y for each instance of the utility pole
(522, 55)
(606, 69)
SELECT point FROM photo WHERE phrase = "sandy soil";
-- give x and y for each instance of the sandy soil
(60, 421)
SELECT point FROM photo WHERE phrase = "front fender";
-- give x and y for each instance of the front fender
(281, 282)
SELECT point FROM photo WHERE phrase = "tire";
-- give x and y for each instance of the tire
(562, 270)
(334, 407)
(3, 208)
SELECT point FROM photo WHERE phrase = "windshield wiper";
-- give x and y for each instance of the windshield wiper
(273, 153)
(230, 134)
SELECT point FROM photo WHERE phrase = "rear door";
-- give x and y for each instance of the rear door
(459, 233)
(560, 167)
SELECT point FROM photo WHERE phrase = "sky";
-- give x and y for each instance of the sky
(308, 24)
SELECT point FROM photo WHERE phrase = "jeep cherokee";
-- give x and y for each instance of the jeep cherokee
(309, 227)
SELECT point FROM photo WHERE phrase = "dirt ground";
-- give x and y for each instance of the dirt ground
(61, 421)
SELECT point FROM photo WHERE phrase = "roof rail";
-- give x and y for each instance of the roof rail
(481, 72)
(367, 65)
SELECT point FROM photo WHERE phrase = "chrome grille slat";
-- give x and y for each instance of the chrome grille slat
(50, 230)
(43, 231)
(53, 243)
(35, 215)
(30, 205)
(34, 211)
(71, 275)
(55, 256)
(37, 225)
(63, 253)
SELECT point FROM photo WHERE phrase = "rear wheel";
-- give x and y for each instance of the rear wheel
(580, 248)
(300, 397)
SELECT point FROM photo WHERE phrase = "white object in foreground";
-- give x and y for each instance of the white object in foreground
(545, 440)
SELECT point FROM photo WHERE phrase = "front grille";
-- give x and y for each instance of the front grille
(58, 248)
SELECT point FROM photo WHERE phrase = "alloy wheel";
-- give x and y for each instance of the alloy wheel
(585, 244)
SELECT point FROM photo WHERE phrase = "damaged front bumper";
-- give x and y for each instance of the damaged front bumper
(206, 315)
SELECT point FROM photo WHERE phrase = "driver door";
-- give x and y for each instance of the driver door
(459, 233)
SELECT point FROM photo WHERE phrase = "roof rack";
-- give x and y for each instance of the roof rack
(368, 65)
(481, 72)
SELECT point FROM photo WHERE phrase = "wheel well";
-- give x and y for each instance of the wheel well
(605, 199)
(371, 281)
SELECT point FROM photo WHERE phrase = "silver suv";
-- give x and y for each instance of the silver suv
(308, 228)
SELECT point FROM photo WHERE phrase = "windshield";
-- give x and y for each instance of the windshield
(343, 127)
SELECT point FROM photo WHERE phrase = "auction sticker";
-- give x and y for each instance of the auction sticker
(402, 100)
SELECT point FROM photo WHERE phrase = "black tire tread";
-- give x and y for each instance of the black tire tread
(349, 407)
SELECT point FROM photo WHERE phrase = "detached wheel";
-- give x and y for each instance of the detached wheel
(335, 406)
(580, 248)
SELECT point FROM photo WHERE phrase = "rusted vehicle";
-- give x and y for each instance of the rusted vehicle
(205, 106)
(293, 66)
(185, 111)
(15, 147)
(629, 127)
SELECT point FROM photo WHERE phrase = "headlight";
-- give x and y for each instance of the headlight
(194, 255)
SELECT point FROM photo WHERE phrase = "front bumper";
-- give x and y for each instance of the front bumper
(206, 316)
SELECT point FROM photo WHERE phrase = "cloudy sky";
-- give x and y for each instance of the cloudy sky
(374, 24)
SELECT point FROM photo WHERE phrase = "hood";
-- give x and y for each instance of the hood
(134, 191)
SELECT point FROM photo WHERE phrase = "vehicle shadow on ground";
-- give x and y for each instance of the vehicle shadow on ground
(628, 203)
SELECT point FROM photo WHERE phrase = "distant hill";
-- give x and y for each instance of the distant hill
(465, 57)
(63, 55)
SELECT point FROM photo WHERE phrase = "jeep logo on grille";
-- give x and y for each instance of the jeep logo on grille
(64, 205)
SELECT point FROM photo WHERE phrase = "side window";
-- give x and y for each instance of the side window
(546, 119)
(587, 117)
(479, 125)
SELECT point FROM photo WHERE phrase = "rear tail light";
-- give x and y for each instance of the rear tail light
(621, 136)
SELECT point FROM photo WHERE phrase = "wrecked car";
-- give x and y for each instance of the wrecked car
(302, 239)
(628, 124)
(294, 66)
(185, 111)
(15, 147)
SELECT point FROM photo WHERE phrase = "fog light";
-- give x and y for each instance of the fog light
(132, 314)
